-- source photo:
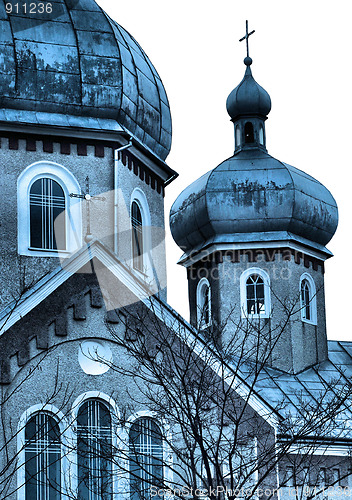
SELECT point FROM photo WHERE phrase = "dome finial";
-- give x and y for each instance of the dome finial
(248, 60)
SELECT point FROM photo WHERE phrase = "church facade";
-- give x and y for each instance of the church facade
(87, 337)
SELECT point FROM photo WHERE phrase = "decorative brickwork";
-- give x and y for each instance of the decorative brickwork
(141, 171)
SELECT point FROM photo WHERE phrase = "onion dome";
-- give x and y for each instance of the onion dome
(253, 197)
(248, 98)
(76, 68)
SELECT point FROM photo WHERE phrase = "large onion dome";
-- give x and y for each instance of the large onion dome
(76, 68)
(253, 197)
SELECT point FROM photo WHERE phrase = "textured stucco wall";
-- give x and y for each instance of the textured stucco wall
(299, 344)
(19, 271)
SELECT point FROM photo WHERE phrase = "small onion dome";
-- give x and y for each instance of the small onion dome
(248, 98)
(253, 197)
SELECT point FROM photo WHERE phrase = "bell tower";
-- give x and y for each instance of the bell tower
(253, 231)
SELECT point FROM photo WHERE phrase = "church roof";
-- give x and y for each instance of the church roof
(294, 395)
(253, 193)
(77, 67)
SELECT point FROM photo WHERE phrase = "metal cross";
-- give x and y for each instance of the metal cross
(88, 197)
(247, 35)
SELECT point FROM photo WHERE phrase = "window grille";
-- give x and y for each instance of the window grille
(305, 300)
(94, 448)
(146, 458)
(255, 295)
(47, 201)
(42, 458)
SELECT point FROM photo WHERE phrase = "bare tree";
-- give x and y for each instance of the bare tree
(209, 432)
(217, 436)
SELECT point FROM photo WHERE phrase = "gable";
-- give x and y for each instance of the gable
(67, 311)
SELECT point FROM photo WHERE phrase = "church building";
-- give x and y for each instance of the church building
(85, 131)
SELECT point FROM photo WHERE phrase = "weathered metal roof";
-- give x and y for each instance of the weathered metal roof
(252, 192)
(294, 395)
(248, 98)
(76, 61)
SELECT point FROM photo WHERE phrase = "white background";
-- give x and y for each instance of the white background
(301, 54)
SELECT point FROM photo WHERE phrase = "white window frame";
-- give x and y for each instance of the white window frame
(140, 198)
(313, 299)
(243, 291)
(199, 299)
(66, 443)
(73, 212)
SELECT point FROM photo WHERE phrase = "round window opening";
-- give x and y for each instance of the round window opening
(94, 357)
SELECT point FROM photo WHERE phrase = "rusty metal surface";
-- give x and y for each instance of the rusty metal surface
(79, 62)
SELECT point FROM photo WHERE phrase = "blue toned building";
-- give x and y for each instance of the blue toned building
(85, 130)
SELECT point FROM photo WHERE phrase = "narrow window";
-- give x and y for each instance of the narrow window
(146, 458)
(306, 300)
(47, 201)
(137, 236)
(203, 303)
(237, 136)
(261, 135)
(248, 133)
(94, 449)
(255, 294)
(42, 458)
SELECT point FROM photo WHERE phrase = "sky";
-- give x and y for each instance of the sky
(301, 55)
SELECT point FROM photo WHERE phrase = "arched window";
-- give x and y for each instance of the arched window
(237, 136)
(94, 449)
(261, 135)
(203, 303)
(49, 220)
(47, 201)
(255, 293)
(308, 299)
(146, 457)
(42, 458)
(137, 236)
(248, 133)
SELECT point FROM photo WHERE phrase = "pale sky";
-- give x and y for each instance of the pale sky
(301, 55)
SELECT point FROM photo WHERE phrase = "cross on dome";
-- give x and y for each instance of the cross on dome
(246, 37)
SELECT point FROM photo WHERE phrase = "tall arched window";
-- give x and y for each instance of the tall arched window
(308, 299)
(137, 236)
(42, 458)
(47, 201)
(146, 457)
(305, 300)
(248, 133)
(255, 293)
(94, 449)
(203, 303)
